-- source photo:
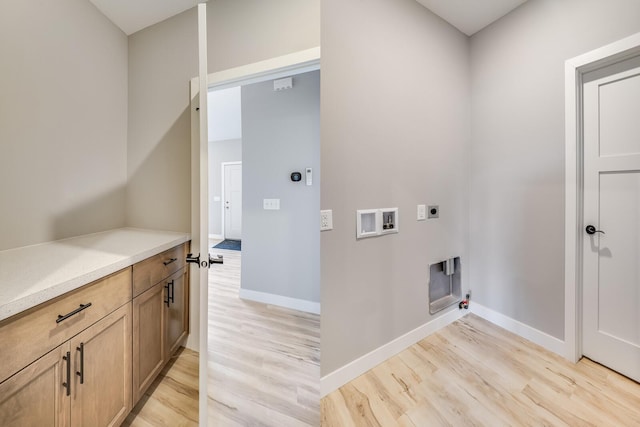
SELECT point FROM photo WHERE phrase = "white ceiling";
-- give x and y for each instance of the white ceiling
(134, 15)
(469, 16)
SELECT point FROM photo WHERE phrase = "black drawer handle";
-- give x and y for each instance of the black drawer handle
(170, 261)
(74, 312)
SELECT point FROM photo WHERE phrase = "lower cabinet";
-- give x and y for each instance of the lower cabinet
(101, 378)
(160, 324)
(84, 382)
(149, 315)
(177, 323)
(85, 358)
(35, 396)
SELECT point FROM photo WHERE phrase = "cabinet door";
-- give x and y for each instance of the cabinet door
(102, 371)
(35, 396)
(177, 313)
(149, 311)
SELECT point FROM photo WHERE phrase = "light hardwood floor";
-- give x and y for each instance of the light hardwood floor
(473, 373)
(172, 399)
(264, 365)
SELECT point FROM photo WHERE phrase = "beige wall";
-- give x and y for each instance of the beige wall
(63, 121)
(395, 133)
(517, 174)
(162, 60)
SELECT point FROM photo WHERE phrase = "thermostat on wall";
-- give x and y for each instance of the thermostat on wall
(296, 177)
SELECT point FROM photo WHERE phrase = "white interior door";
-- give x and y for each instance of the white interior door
(611, 250)
(200, 209)
(233, 201)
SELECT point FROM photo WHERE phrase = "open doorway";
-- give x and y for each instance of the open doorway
(225, 166)
(263, 316)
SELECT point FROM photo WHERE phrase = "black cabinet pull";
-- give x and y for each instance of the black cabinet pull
(67, 385)
(74, 312)
(170, 261)
(80, 373)
(172, 289)
(167, 301)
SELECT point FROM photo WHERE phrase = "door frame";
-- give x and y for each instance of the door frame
(575, 69)
(273, 68)
(222, 183)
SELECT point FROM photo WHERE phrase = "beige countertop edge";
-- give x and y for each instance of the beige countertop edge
(41, 296)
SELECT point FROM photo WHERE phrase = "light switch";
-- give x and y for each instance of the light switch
(422, 212)
(271, 204)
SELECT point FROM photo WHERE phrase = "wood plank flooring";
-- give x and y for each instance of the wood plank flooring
(172, 399)
(264, 365)
(264, 361)
(473, 373)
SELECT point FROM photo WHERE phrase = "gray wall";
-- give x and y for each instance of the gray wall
(162, 60)
(63, 121)
(517, 169)
(280, 135)
(219, 152)
(395, 133)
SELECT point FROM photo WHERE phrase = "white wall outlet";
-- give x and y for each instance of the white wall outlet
(326, 220)
(271, 204)
(422, 212)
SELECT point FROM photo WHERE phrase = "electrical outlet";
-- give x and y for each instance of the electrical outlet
(326, 220)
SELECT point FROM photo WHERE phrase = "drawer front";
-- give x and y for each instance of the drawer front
(27, 336)
(152, 270)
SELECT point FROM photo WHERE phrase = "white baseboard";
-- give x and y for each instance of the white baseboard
(216, 236)
(525, 331)
(281, 301)
(352, 370)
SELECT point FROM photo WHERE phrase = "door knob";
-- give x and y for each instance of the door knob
(590, 229)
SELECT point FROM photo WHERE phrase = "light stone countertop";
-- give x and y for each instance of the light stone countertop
(31, 275)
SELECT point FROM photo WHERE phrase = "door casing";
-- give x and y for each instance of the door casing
(269, 69)
(575, 69)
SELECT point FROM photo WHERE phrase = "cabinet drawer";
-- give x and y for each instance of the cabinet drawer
(29, 335)
(152, 270)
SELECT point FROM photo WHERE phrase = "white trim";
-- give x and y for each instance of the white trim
(281, 301)
(354, 369)
(222, 192)
(575, 68)
(273, 68)
(216, 236)
(534, 335)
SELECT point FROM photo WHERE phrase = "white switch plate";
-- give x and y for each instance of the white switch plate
(422, 212)
(271, 204)
(309, 176)
(326, 220)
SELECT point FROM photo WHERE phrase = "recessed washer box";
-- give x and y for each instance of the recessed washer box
(389, 220)
(376, 222)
